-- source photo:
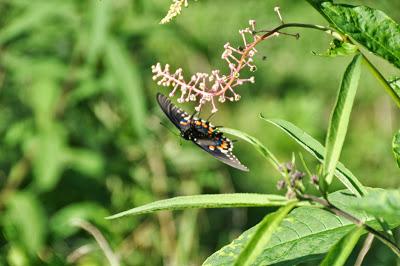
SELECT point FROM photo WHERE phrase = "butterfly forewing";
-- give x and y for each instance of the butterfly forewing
(174, 113)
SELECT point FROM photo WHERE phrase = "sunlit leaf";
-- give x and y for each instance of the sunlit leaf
(340, 117)
(339, 253)
(317, 150)
(370, 27)
(396, 147)
(395, 84)
(85, 161)
(380, 203)
(25, 222)
(262, 235)
(207, 201)
(48, 162)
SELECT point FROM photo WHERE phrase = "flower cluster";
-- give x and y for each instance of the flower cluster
(293, 179)
(204, 87)
(174, 10)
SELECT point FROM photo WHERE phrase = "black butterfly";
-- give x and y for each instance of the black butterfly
(201, 132)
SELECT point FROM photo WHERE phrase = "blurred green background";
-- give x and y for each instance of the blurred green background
(81, 137)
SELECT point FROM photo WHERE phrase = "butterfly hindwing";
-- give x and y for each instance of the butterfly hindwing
(221, 148)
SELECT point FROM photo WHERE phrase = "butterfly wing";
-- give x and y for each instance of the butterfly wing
(203, 134)
(221, 148)
(177, 116)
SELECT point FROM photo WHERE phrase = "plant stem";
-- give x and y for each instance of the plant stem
(269, 34)
(98, 236)
(330, 207)
(364, 250)
(381, 78)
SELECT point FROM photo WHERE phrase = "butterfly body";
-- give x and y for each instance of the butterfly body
(201, 132)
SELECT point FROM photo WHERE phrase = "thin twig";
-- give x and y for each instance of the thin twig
(364, 250)
(98, 236)
(79, 252)
(270, 33)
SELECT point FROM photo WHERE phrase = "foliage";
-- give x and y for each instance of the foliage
(81, 138)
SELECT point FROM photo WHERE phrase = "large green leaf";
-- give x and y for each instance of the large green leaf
(305, 234)
(339, 253)
(262, 235)
(380, 203)
(396, 147)
(208, 201)
(255, 142)
(317, 150)
(340, 117)
(370, 27)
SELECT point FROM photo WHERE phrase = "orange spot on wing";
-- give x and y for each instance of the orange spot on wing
(224, 145)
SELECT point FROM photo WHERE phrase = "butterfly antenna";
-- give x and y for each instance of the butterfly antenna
(170, 130)
(211, 115)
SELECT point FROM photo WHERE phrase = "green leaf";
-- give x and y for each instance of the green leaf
(304, 235)
(25, 222)
(48, 158)
(317, 150)
(84, 160)
(370, 27)
(33, 16)
(127, 76)
(101, 13)
(262, 235)
(339, 253)
(255, 142)
(396, 147)
(340, 117)
(61, 221)
(380, 203)
(340, 48)
(394, 82)
(207, 201)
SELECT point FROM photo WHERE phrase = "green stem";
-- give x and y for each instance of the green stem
(327, 30)
(381, 78)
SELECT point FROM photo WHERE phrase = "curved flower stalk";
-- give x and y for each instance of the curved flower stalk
(204, 87)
